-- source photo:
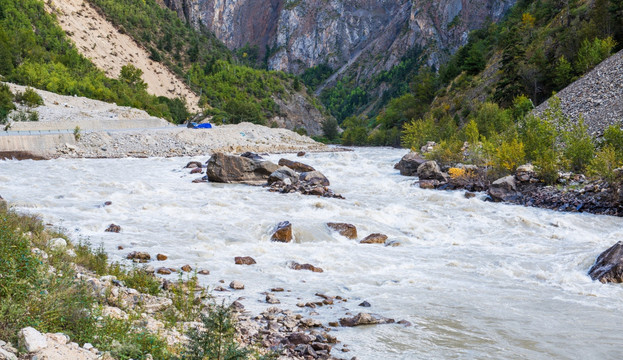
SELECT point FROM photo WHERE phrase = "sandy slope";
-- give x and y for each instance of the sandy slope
(97, 39)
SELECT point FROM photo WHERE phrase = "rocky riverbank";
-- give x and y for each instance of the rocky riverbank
(571, 193)
(170, 312)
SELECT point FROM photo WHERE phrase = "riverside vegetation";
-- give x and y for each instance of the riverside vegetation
(48, 283)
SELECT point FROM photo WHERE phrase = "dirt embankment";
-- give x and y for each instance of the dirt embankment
(100, 41)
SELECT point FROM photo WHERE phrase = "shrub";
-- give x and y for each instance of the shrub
(6, 102)
(547, 166)
(330, 128)
(604, 163)
(447, 152)
(509, 155)
(613, 136)
(29, 98)
(417, 132)
(579, 148)
(217, 339)
(33, 116)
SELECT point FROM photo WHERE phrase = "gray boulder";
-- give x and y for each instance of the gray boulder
(409, 164)
(31, 340)
(224, 168)
(503, 189)
(285, 175)
(430, 170)
(314, 178)
(608, 266)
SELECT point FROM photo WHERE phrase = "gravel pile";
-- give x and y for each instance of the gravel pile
(598, 96)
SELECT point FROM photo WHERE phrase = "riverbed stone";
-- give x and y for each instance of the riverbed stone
(608, 266)
(139, 256)
(364, 319)
(347, 230)
(244, 260)
(310, 267)
(194, 165)
(236, 285)
(225, 168)
(113, 228)
(161, 257)
(187, 268)
(409, 164)
(374, 239)
(283, 232)
(314, 178)
(285, 175)
(296, 166)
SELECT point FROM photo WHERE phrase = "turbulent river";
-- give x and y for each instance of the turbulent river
(477, 280)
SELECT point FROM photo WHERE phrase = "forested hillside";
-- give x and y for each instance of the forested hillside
(35, 51)
(234, 92)
(541, 47)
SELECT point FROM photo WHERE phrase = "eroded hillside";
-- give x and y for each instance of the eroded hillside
(97, 39)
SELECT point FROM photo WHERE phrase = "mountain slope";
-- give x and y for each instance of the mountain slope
(98, 40)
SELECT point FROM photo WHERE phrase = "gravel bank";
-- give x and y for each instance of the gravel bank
(187, 142)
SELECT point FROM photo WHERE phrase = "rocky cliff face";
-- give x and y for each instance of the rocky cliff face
(363, 36)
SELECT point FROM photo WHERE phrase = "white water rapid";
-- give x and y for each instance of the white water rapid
(477, 280)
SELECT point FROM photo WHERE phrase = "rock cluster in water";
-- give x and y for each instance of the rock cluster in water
(251, 169)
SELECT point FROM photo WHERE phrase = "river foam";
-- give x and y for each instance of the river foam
(476, 279)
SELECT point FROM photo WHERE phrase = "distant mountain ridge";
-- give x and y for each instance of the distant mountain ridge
(355, 37)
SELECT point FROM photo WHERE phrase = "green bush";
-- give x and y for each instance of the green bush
(579, 146)
(330, 128)
(604, 163)
(416, 133)
(29, 98)
(6, 103)
(217, 339)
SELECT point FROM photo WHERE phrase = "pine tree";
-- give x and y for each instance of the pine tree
(510, 85)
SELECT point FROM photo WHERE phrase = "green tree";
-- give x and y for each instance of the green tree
(579, 146)
(563, 73)
(133, 77)
(330, 128)
(509, 85)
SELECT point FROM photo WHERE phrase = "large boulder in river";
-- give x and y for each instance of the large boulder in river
(314, 178)
(430, 170)
(409, 164)
(296, 166)
(503, 189)
(609, 265)
(239, 169)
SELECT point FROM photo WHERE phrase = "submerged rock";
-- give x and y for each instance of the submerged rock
(364, 319)
(409, 164)
(139, 256)
(374, 239)
(113, 228)
(244, 260)
(310, 267)
(344, 229)
(608, 266)
(193, 165)
(238, 169)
